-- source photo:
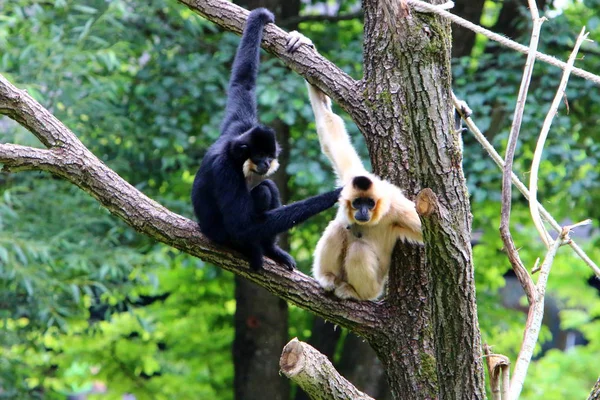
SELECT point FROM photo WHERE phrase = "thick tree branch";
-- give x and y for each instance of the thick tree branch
(315, 68)
(315, 374)
(70, 159)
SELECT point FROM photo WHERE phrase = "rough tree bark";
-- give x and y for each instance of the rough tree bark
(425, 333)
(407, 87)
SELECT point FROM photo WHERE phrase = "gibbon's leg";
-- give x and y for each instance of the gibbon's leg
(255, 255)
(327, 265)
(262, 196)
(362, 273)
(266, 197)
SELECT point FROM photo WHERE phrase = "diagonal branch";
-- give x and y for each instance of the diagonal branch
(71, 160)
(315, 68)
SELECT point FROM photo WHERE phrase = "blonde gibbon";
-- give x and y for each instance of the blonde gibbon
(353, 256)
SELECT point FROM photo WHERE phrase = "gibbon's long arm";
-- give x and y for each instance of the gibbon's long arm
(245, 225)
(240, 112)
(335, 141)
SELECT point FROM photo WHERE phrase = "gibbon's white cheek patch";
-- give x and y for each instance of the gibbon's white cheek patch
(273, 167)
(249, 168)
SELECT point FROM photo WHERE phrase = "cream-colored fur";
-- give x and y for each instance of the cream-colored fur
(352, 258)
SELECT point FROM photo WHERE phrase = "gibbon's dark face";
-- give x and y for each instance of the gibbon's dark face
(363, 204)
(262, 152)
(363, 207)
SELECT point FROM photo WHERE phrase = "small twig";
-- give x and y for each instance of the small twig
(518, 184)
(534, 320)
(502, 39)
(509, 244)
(578, 224)
(536, 266)
(537, 156)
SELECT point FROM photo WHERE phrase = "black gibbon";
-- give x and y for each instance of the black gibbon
(353, 256)
(234, 204)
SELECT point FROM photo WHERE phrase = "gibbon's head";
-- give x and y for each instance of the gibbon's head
(258, 149)
(363, 200)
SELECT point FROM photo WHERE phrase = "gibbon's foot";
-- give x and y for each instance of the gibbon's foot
(327, 281)
(255, 257)
(282, 257)
(346, 291)
(295, 40)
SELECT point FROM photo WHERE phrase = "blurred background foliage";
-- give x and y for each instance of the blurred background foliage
(88, 305)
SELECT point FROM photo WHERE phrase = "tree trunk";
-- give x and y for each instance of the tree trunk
(360, 365)
(463, 39)
(261, 331)
(431, 345)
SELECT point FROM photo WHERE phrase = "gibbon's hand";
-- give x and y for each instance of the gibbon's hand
(295, 40)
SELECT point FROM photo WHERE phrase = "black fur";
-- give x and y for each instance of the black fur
(362, 183)
(227, 211)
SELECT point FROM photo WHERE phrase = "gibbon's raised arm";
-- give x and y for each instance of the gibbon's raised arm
(241, 100)
(334, 139)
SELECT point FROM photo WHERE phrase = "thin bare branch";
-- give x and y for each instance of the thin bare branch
(502, 39)
(534, 320)
(520, 186)
(513, 137)
(537, 156)
(71, 160)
